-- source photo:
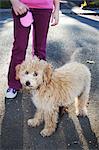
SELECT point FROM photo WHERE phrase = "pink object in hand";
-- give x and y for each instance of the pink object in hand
(27, 20)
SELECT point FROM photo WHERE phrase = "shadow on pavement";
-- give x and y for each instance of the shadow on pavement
(90, 22)
(12, 125)
(56, 54)
(5, 17)
(88, 133)
(71, 135)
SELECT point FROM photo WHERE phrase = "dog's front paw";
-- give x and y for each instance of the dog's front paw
(33, 122)
(46, 132)
(82, 113)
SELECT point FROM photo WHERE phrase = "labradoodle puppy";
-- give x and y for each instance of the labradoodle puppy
(54, 88)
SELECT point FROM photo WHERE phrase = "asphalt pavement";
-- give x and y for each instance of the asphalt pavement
(76, 37)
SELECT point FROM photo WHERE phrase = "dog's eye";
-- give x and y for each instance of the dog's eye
(35, 74)
(26, 72)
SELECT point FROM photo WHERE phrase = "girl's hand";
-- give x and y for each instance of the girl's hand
(18, 7)
(55, 17)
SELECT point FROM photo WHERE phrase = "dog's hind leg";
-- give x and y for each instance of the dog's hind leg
(81, 103)
(50, 119)
(38, 118)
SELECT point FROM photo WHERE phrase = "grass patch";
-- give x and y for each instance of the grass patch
(5, 4)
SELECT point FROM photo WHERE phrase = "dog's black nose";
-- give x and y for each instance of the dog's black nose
(27, 83)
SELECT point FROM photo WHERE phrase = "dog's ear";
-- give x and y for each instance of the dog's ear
(17, 68)
(48, 73)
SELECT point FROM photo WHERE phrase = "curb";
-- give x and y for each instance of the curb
(78, 10)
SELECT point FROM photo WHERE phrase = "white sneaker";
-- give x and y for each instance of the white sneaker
(11, 93)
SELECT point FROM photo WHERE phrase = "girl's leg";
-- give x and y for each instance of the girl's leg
(40, 30)
(21, 36)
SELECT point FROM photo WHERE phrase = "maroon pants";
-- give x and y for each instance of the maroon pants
(21, 37)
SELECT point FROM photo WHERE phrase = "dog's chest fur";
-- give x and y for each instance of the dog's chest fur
(44, 102)
(48, 98)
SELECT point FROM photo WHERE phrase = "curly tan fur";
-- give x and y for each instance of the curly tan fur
(55, 88)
